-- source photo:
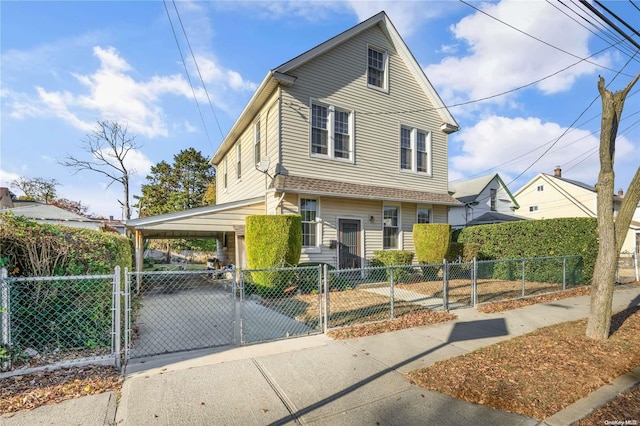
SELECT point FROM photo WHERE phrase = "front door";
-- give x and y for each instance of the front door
(349, 244)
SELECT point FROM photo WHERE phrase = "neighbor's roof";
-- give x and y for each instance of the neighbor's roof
(494, 217)
(312, 186)
(47, 212)
(280, 76)
(467, 191)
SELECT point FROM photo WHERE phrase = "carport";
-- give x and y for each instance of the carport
(223, 222)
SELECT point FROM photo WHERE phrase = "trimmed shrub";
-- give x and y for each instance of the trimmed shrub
(464, 252)
(539, 238)
(431, 241)
(394, 258)
(272, 241)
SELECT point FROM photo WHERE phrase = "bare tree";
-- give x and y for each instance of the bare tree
(108, 145)
(36, 189)
(611, 232)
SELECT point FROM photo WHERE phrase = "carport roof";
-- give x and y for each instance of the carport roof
(201, 222)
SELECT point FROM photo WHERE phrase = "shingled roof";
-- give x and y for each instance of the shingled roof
(298, 184)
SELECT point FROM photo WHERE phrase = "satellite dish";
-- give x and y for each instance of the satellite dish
(263, 165)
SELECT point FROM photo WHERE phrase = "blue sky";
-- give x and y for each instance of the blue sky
(65, 65)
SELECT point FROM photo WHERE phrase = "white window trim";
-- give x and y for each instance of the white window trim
(225, 176)
(256, 141)
(318, 247)
(533, 209)
(238, 161)
(385, 80)
(414, 150)
(427, 208)
(540, 188)
(400, 244)
(331, 108)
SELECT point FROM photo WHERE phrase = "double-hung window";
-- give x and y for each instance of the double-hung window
(390, 227)
(494, 198)
(309, 213)
(239, 160)
(377, 64)
(331, 131)
(257, 156)
(423, 215)
(415, 150)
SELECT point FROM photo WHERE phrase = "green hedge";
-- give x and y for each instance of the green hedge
(272, 241)
(431, 241)
(66, 314)
(28, 248)
(463, 251)
(538, 238)
(393, 258)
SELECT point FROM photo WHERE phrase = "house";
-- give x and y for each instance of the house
(52, 215)
(551, 196)
(351, 135)
(484, 200)
(7, 198)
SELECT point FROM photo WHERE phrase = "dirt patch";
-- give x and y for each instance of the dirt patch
(415, 319)
(490, 308)
(30, 391)
(539, 373)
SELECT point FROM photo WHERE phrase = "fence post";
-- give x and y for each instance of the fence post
(116, 315)
(474, 282)
(635, 265)
(5, 314)
(391, 289)
(445, 285)
(326, 297)
(564, 273)
(523, 291)
(320, 297)
(127, 314)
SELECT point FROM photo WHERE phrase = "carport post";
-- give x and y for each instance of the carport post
(139, 247)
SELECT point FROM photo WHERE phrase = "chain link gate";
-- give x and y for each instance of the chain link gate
(176, 311)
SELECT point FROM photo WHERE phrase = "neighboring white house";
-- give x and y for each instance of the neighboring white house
(552, 196)
(484, 200)
(351, 135)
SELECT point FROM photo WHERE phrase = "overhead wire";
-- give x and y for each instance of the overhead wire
(184, 63)
(193, 56)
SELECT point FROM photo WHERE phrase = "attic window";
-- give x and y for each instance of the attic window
(377, 65)
(540, 188)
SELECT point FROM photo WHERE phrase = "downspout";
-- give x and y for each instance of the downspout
(275, 210)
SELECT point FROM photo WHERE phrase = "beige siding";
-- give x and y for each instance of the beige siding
(252, 183)
(551, 202)
(376, 136)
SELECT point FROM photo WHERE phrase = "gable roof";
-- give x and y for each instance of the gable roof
(48, 212)
(279, 76)
(313, 186)
(494, 217)
(467, 191)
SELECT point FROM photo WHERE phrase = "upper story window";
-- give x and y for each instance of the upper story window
(390, 227)
(224, 175)
(257, 156)
(423, 215)
(533, 208)
(494, 196)
(331, 131)
(377, 68)
(415, 150)
(540, 188)
(309, 213)
(239, 160)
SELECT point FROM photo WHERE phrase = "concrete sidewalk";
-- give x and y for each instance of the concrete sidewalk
(320, 381)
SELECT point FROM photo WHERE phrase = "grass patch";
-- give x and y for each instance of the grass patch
(539, 373)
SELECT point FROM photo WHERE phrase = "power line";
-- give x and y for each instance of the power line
(204, 124)
(198, 69)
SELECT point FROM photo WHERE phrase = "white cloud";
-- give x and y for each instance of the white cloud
(407, 16)
(113, 94)
(7, 177)
(510, 145)
(502, 58)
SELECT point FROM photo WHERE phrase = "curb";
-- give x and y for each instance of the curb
(596, 399)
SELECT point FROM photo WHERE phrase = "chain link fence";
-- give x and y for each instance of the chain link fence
(173, 311)
(280, 303)
(58, 320)
(628, 268)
